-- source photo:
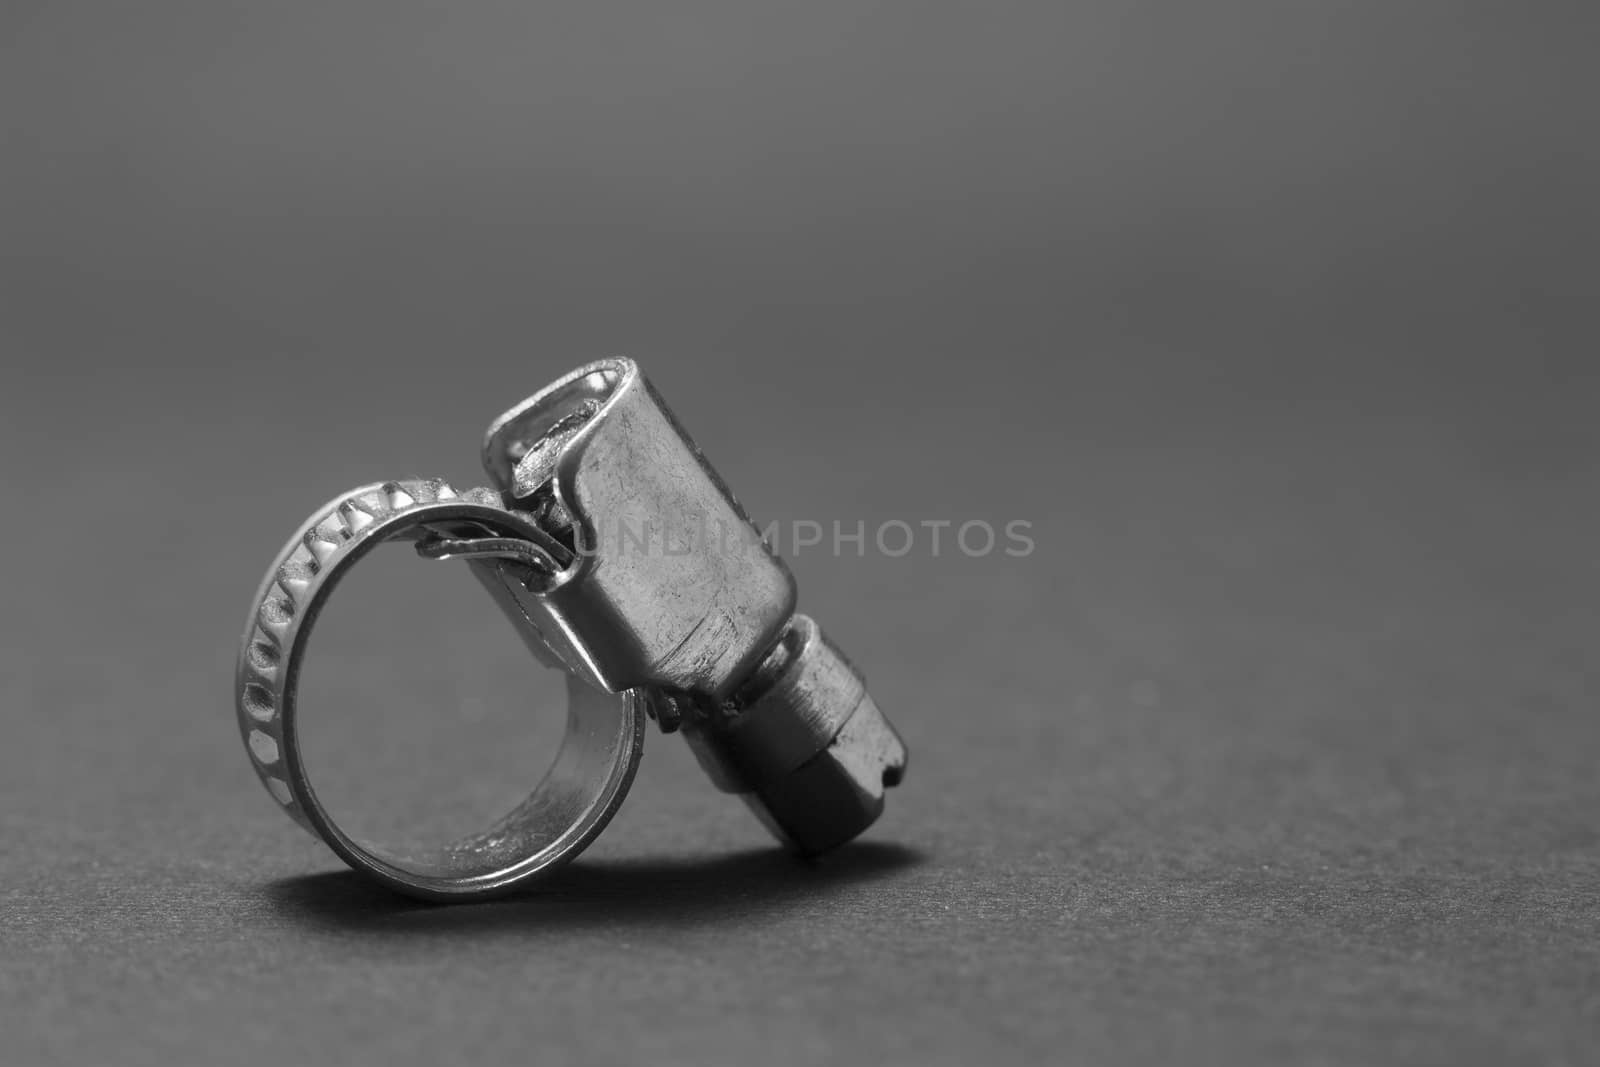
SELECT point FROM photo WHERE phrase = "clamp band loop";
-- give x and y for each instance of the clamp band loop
(570, 805)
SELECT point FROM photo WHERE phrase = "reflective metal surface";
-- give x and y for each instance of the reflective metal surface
(670, 589)
(570, 805)
(620, 557)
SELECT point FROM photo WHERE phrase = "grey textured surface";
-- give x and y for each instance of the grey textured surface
(1276, 320)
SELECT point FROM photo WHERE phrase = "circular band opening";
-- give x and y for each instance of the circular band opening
(567, 808)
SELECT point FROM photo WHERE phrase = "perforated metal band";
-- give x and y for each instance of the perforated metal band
(569, 806)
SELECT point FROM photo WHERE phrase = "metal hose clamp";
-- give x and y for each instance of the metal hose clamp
(695, 628)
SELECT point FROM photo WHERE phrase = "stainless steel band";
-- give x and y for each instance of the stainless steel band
(569, 806)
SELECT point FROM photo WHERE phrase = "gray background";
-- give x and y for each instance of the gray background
(1276, 319)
